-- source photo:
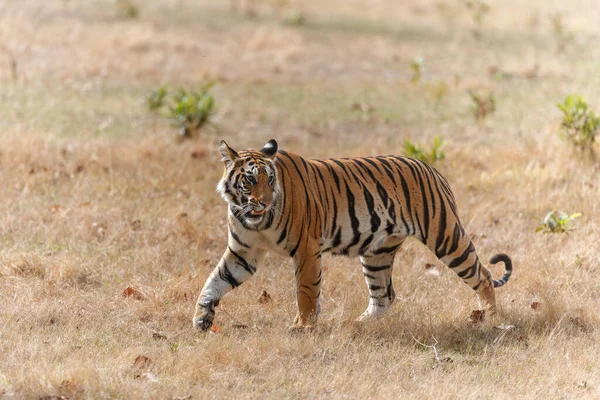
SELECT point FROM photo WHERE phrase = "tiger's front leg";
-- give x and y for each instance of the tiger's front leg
(308, 289)
(234, 268)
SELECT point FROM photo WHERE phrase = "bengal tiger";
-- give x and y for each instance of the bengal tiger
(281, 202)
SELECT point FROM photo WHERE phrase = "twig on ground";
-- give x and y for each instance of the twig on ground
(435, 353)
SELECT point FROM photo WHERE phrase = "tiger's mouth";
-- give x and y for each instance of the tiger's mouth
(255, 215)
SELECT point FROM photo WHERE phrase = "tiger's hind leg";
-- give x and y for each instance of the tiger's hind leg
(377, 270)
(458, 253)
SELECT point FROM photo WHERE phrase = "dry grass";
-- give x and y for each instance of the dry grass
(96, 199)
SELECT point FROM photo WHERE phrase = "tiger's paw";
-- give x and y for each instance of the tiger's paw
(371, 313)
(202, 324)
(296, 328)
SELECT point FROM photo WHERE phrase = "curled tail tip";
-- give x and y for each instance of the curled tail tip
(504, 258)
(507, 266)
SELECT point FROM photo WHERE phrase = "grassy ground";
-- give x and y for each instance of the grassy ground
(97, 197)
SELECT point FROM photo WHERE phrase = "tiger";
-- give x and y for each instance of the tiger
(281, 202)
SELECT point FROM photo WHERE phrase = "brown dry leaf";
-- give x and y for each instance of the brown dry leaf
(477, 316)
(240, 326)
(134, 293)
(536, 305)
(264, 297)
(158, 336)
(215, 329)
(140, 365)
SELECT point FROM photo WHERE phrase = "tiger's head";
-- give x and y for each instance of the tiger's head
(249, 183)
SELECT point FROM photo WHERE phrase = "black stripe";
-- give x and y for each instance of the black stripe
(388, 168)
(250, 268)
(456, 236)
(333, 174)
(237, 239)
(459, 260)
(366, 244)
(354, 222)
(293, 252)
(226, 275)
(441, 233)
(373, 163)
(389, 250)
(469, 272)
(372, 268)
(375, 220)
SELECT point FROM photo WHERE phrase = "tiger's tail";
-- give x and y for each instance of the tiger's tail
(507, 268)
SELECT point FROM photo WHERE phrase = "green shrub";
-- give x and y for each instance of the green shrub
(580, 124)
(156, 99)
(556, 222)
(415, 150)
(191, 110)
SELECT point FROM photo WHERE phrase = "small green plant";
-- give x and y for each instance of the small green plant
(126, 9)
(417, 65)
(580, 124)
(483, 104)
(556, 222)
(415, 150)
(191, 110)
(156, 99)
(188, 110)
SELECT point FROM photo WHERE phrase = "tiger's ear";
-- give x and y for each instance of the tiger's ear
(228, 153)
(270, 149)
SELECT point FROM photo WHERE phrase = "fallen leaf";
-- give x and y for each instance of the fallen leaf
(477, 316)
(142, 362)
(264, 297)
(158, 336)
(536, 305)
(215, 329)
(136, 294)
(239, 326)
